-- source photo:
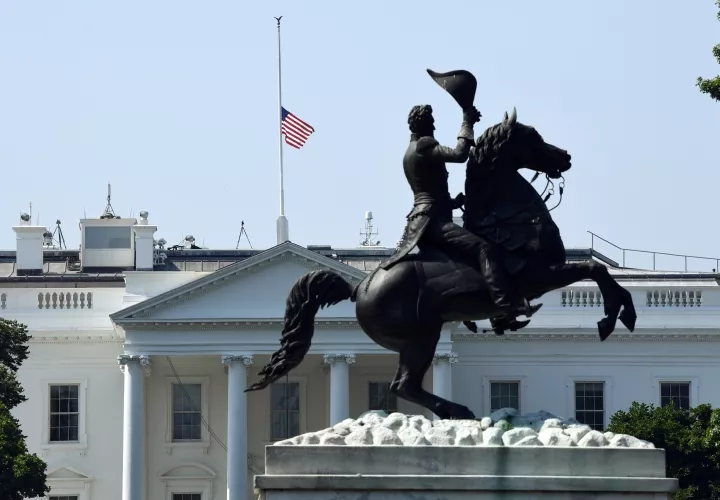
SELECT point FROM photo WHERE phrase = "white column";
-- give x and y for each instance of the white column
(442, 375)
(339, 385)
(135, 369)
(237, 449)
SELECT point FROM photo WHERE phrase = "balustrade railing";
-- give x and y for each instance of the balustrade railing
(65, 300)
(659, 297)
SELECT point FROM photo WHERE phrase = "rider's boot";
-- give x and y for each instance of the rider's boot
(499, 286)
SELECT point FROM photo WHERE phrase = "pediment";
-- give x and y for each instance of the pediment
(255, 288)
(67, 474)
(190, 470)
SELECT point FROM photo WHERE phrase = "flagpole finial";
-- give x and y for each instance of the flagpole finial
(278, 21)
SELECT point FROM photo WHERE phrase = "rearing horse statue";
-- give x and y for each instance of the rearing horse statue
(404, 308)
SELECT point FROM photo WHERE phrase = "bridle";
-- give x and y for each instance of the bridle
(551, 184)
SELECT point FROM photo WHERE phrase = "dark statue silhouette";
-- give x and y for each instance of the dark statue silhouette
(403, 304)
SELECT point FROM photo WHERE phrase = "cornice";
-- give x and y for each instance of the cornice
(74, 340)
(589, 337)
(233, 324)
(238, 324)
(215, 282)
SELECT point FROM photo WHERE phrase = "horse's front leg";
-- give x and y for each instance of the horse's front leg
(615, 297)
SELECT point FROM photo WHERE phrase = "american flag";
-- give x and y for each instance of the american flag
(295, 130)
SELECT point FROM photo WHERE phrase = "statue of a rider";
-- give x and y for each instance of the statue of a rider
(430, 223)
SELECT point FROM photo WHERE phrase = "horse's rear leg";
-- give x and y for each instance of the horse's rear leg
(414, 361)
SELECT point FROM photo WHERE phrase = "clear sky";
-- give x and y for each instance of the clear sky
(175, 104)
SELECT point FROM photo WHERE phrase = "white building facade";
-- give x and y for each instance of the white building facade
(140, 357)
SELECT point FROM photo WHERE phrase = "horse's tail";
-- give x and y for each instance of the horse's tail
(310, 293)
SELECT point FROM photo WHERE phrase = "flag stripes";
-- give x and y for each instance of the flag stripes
(295, 130)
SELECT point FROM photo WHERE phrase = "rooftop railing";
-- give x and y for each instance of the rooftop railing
(657, 261)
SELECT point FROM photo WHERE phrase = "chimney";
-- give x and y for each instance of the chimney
(29, 253)
(144, 244)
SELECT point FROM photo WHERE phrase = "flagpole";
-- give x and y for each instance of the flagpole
(283, 231)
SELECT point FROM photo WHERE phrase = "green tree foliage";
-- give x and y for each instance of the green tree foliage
(711, 86)
(22, 474)
(691, 439)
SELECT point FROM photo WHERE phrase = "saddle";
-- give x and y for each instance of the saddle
(444, 277)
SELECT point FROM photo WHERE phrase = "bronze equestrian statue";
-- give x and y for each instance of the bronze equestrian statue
(403, 306)
(430, 223)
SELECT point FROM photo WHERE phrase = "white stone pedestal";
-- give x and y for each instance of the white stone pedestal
(463, 473)
(503, 456)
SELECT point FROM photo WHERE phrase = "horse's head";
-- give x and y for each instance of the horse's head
(510, 144)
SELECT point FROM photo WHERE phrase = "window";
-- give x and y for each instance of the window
(64, 497)
(187, 496)
(677, 393)
(187, 412)
(108, 237)
(187, 422)
(380, 397)
(64, 413)
(504, 395)
(590, 404)
(62, 417)
(284, 410)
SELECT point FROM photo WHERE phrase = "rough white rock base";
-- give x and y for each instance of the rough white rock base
(411, 458)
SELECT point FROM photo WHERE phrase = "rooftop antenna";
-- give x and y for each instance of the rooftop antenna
(243, 231)
(58, 236)
(109, 212)
(368, 234)
(54, 240)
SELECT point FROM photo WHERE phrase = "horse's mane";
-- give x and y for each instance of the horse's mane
(489, 144)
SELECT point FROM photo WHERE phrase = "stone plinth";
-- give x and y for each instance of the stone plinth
(407, 458)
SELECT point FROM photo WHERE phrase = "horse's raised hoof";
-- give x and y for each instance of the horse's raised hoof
(531, 309)
(471, 325)
(628, 319)
(605, 328)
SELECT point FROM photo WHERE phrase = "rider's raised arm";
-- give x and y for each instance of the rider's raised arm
(460, 153)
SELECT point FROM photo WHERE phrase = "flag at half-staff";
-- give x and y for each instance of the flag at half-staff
(295, 130)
